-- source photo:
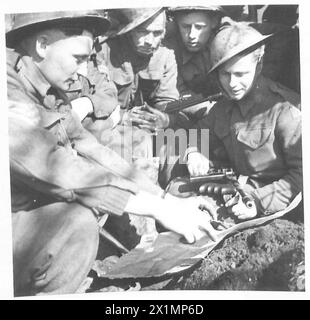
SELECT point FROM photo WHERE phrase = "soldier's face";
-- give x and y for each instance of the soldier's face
(147, 37)
(195, 29)
(237, 76)
(63, 56)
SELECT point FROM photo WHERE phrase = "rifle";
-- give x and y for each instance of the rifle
(188, 101)
(224, 176)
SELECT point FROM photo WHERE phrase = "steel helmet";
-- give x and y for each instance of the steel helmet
(232, 40)
(215, 9)
(127, 19)
(21, 23)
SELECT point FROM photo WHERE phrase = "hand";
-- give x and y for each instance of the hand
(236, 206)
(197, 164)
(185, 216)
(150, 118)
(133, 116)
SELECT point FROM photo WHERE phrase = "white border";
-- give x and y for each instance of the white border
(6, 287)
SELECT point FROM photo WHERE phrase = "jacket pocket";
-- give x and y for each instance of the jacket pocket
(254, 138)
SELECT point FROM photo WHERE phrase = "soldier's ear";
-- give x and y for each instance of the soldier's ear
(259, 66)
(41, 45)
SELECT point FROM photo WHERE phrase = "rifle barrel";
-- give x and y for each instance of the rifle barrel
(183, 103)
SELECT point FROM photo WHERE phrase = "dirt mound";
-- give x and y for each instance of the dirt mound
(269, 257)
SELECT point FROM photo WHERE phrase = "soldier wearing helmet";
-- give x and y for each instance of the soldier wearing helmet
(189, 34)
(255, 127)
(47, 51)
(143, 70)
(61, 177)
(144, 73)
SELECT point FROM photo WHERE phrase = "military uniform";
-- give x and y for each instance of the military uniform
(260, 136)
(193, 70)
(102, 93)
(140, 79)
(193, 67)
(55, 165)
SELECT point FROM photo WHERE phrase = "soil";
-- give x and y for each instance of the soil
(269, 257)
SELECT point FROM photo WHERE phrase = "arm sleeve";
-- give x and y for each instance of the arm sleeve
(101, 89)
(38, 161)
(167, 89)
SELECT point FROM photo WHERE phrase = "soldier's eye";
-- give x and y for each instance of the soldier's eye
(80, 59)
(158, 33)
(224, 74)
(240, 74)
(198, 27)
(141, 32)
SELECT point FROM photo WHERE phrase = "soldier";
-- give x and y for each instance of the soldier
(189, 34)
(256, 127)
(61, 177)
(143, 70)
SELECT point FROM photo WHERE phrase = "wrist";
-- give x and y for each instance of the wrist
(139, 204)
(189, 152)
(164, 206)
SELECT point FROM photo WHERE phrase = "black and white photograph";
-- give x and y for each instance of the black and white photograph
(153, 148)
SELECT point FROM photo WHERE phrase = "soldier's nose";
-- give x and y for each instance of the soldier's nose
(192, 33)
(149, 39)
(233, 81)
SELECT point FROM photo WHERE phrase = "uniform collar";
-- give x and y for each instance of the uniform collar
(187, 55)
(250, 100)
(34, 76)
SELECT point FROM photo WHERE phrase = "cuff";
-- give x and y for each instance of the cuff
(188, 151)
(116, 201)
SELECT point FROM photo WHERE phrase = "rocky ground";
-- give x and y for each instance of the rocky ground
(268, 257)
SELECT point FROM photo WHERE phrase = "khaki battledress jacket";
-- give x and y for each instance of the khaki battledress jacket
(260, 136)
(140, 79)
(51, 154)
(193, 67)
